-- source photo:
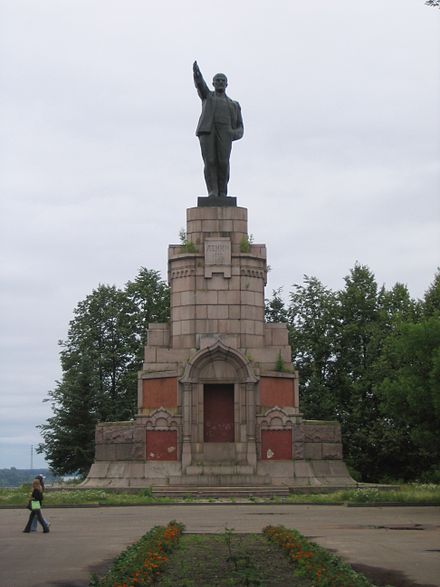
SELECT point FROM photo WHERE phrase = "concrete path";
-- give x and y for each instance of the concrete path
(395, 545)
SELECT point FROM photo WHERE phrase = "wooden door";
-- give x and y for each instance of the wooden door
(218, 412)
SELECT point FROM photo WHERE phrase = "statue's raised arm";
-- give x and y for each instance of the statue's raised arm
(199, 82)
(220, 123)
(196, 70)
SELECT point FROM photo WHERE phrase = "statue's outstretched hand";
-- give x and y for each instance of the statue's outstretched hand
(196, 69)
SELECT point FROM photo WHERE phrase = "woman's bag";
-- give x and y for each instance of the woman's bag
(35, 505)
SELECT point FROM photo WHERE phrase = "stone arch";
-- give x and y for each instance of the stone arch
(276, 419)
(160, 419)
(218, 364)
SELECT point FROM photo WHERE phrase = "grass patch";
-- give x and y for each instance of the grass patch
(414, 494)
(78, 497)
(406, 494)
(228, 559)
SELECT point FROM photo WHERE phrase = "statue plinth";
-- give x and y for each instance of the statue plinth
(217, 201)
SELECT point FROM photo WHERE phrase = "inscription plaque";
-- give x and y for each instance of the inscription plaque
(218, 256)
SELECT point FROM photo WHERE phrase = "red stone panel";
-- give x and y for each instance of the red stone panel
(159, 393)
(161, 445)
(276, 391)
(276, 445)
(218, 413)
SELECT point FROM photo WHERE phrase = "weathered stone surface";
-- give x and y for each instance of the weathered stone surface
(158, 335)
(125, 452)
(172, 355)
(99, 434)
(275, 334)
(118, 470)
(298, 450)
(284, 469)
(303, 470)
(99, 470)
(117, 434)
(105, 452)
(321, 431)
(313, 450)
(332, 450)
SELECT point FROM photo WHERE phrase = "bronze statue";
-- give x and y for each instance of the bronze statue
(220, 123)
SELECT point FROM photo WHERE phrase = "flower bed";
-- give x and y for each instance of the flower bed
(141, 562)
(314, 562)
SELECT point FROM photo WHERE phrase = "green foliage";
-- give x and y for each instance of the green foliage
(141, 563)
(280, 364)
(187, 245)
(313, 561)
(339, 341)
(431, 302)
(99, 360)
(245, 243)
(313, 337)
(275, 309)
(410, 396)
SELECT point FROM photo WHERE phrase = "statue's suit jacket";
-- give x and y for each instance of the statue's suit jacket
(208, 109)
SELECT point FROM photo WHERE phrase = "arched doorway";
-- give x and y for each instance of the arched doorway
(218, 408)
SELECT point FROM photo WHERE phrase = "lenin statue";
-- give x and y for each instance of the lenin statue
(220, 123)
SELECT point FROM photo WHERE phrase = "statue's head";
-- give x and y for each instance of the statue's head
(220, 82)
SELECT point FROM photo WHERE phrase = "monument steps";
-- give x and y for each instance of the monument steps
(198, 491)
(221, 480)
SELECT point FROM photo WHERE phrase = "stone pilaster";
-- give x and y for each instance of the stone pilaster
(186, 412)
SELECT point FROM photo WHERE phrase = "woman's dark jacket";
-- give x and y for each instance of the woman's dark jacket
(37, 495)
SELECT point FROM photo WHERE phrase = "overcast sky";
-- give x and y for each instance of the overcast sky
(99, 160)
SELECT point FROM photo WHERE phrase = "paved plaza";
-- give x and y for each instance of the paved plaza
(400, 543)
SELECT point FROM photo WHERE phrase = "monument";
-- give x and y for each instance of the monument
(218, 401)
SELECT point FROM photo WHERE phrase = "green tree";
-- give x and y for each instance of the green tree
(100, 359)
(150, 296)
(69, 435)
(431, 302)
(410, 397)
(367, 316)
(337, 339)
(313, 330)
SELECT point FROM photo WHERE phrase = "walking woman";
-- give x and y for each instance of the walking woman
(37, 496)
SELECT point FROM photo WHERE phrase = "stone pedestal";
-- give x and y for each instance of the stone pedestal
(218, 400)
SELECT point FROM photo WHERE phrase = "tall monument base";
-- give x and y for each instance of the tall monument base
(218, 401)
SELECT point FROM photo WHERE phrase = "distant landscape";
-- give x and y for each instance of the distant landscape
(15, 477)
